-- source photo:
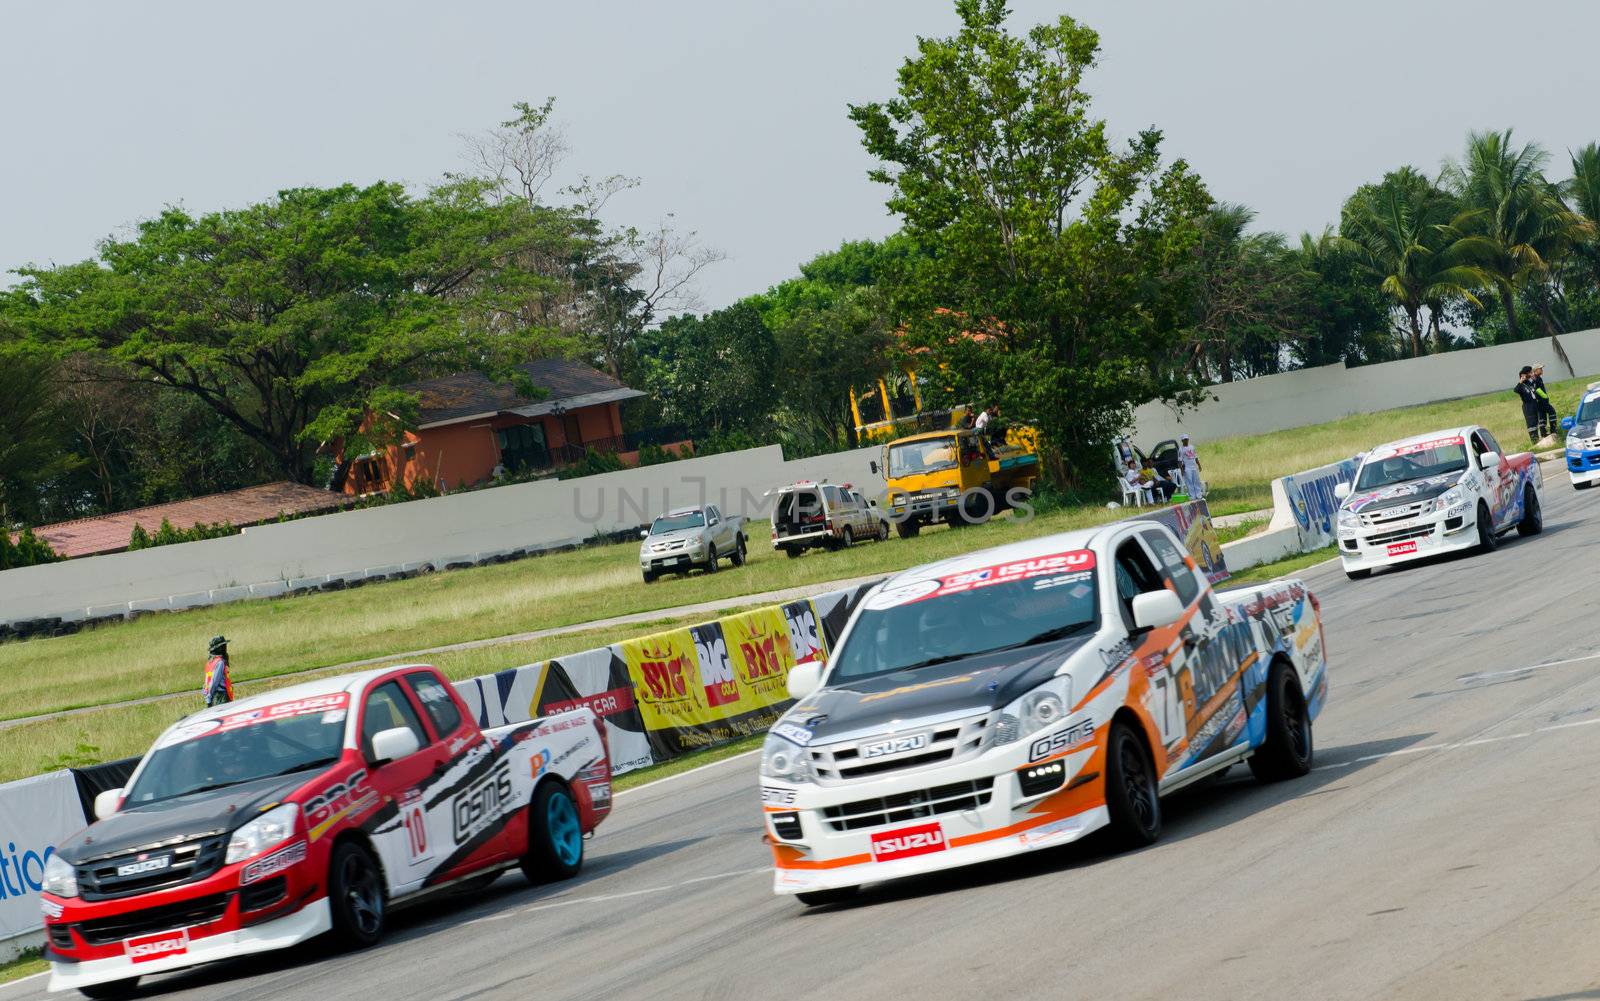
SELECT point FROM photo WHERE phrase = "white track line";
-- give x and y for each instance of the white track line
(698, 768)
(1457, 745)
(1485, 675)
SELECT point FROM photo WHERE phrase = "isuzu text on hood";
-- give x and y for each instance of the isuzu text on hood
(1436, 493)
(1022, 697)
(260, 824)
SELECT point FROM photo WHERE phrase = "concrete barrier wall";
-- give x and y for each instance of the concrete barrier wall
(270, 560)
(1315, 395)
(1303, 517)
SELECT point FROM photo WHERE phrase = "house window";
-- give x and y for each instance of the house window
(522, 446)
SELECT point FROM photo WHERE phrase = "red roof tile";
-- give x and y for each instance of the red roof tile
(109, 533)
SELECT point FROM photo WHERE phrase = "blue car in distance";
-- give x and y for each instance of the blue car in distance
(1583, 439)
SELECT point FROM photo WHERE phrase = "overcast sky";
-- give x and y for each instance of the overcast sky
(732, 112)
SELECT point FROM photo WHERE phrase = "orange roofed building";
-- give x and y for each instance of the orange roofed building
(469, 426)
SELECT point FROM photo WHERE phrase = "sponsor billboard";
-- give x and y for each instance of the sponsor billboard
(36, 814)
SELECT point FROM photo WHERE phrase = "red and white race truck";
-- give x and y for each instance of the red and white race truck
(1435, 493)
(260, 824)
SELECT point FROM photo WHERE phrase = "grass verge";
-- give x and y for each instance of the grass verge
(1280, 568)
(687, 762)
(27, 963)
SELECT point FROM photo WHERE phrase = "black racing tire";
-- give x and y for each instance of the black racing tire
(738, 552)
(908, 529)
(711, 559)
(1288, 749)
(555, 845)
(847, 538)
(821, 898)
(1358, 574)
(356, 896)
(1488, 541)
(114, 989)
(1532, 522)
(1132, 795)
(793, 552)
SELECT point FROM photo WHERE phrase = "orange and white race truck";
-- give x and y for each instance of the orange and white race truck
(1024, 696)
(260, 824)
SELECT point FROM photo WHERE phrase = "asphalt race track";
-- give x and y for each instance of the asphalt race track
(1446, 846)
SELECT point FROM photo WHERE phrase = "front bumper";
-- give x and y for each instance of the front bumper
(930, 507)
(677, 559)
(1401, 542)
(915, 839)
(279, 933)
(1583, 465)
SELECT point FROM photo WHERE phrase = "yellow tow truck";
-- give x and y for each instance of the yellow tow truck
(958, 476)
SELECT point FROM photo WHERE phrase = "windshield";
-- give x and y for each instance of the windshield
(1589, 410)
(1413, 462)
(914, 457)
(257, 743)
(995, 608)
(677, 522)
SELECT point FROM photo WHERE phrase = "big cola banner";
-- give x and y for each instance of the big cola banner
(676, 691)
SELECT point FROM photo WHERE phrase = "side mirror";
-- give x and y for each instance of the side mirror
(1566, 424)
(1341, 491)
(872, 464)
(644, 533)
(394, 744)
(1489, 460)
(1155, 609)
(106, 803)
(804, 679)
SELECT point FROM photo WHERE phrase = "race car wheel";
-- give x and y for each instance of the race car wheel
(908, 529)
(711, 560)
(1358, 574)
(1532, 522)
(555, 841)
(1286, 753)
(837, 895)
(1131, 792)
(1487, 540)
(738, 552)
(115, 989)
(793, 552)
(355, 895)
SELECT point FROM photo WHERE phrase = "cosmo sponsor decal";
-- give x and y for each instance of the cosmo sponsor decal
(273, 864)
(1050, 565)
(906, 842)
(1073, 736)
(480, 805)
(774, 796)
(153, 947)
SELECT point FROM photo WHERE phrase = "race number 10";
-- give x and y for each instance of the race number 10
(416, 827)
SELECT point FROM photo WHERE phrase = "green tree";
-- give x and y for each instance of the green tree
(825, 351)
(1524, 226)
(1046, 282)
(36, 455)
(1582, 193)
(1347, 317)
(1413, 237)
(716, 374)
(294, 318)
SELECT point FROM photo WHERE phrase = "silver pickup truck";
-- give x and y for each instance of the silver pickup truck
(691, 538)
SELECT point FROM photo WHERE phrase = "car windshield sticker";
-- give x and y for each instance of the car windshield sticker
(332, 707)
(1052, 564)
(1420, 446)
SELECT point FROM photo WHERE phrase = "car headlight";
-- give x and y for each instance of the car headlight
(1348, 518)
(271, 828)
(1454, 497)
(60, 878)
(784, 759)
(1044, 706)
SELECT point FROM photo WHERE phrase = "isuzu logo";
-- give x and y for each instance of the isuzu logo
(153, 947)
(908, 841)
(143, 865)
(894, 745)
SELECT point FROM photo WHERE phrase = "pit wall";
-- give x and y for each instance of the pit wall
(337, 550)
(1314, 395)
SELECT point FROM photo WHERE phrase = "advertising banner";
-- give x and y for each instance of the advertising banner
(1310, 497)
(36, 814)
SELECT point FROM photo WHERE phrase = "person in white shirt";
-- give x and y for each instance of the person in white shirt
(983, 420)
(1134, 478)
(1189, 461)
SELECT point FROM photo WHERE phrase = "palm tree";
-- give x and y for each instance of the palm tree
(1582, 193)
(1413, 237)
(1524, 224)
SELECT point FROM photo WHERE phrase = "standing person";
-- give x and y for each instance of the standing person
(1189, 461)
(1530, 401)
(984, 417)
(219, 681)
(1549, 420)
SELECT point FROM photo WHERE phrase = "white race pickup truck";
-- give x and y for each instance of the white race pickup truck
(1020, 697)
(1435, 493)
